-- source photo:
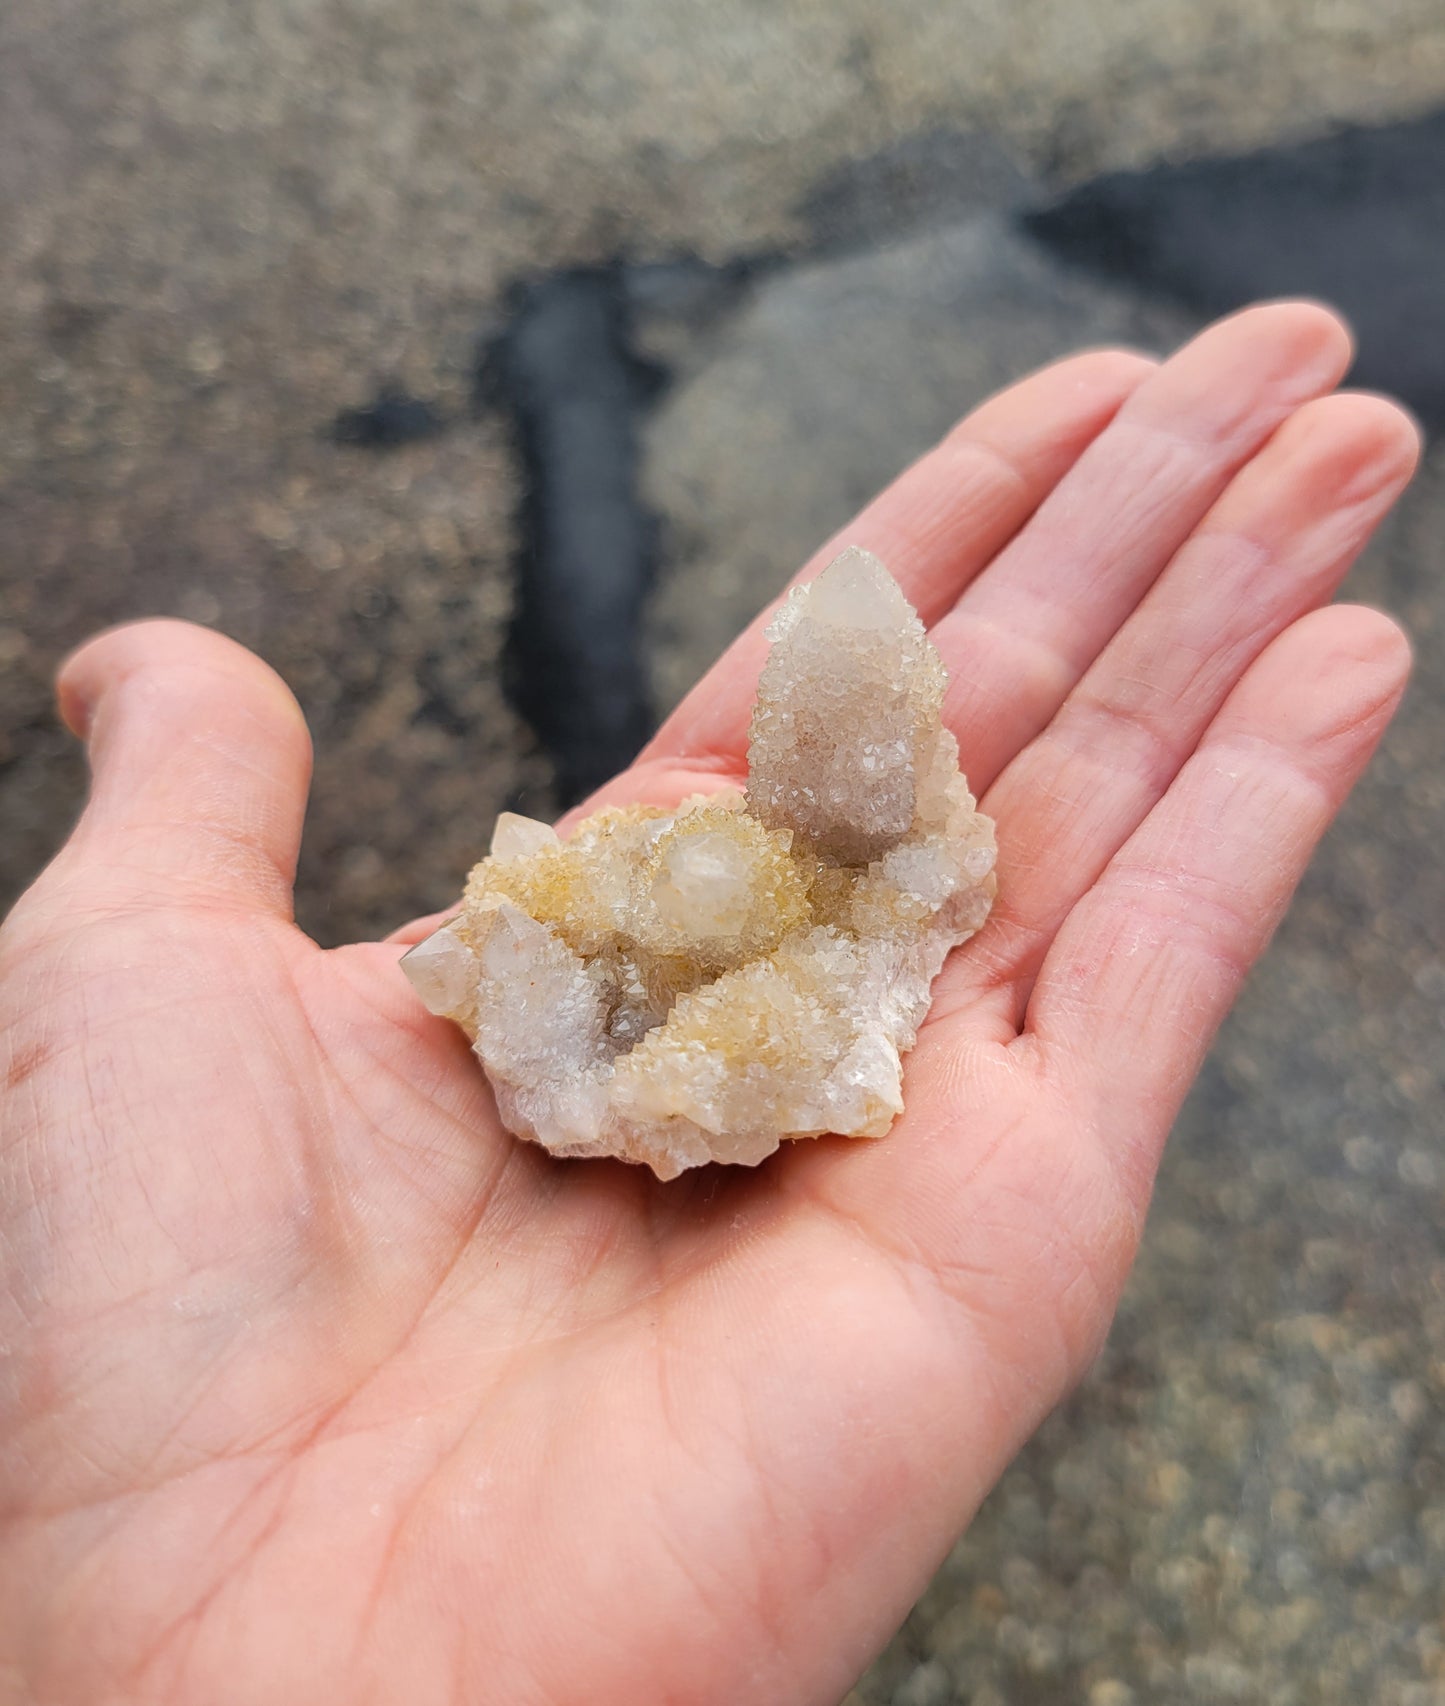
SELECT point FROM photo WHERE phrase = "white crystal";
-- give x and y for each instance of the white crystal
(704, 881)
(856, 591)
(700, 983)
(847, 719)
(518, 837)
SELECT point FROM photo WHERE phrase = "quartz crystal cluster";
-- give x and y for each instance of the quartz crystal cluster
(697, 983)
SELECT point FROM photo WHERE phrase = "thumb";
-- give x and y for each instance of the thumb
(200, 761)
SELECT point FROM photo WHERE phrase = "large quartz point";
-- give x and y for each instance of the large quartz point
(676, 986)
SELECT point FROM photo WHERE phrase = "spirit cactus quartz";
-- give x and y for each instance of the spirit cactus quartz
(681, 985)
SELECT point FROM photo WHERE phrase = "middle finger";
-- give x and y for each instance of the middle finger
(1023, 634)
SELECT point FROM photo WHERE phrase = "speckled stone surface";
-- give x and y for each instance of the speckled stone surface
(226, 223)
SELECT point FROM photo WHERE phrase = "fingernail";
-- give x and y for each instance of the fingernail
(77, 709)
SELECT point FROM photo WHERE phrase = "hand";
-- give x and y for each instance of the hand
(320, 1387)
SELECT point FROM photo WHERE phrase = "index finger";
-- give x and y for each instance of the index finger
(936, 527)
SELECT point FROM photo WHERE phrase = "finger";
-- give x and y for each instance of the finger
(200, 762)
(935, 527)
(1027, 629)
(1276, 545)
(1150, 961)
(418, 929)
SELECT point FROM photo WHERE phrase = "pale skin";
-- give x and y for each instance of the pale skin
(317, 1386)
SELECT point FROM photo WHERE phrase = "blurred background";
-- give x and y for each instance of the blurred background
(485, 363)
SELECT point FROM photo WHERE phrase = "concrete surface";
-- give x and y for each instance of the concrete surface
(227, 221)
(1356, 217)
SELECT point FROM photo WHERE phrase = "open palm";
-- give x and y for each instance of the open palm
(319, 1387)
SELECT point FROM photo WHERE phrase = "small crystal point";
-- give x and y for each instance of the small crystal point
(856, 591)
(701, 982)
(518, 837)
(443, 972)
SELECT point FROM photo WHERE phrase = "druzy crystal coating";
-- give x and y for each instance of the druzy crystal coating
(699, 983)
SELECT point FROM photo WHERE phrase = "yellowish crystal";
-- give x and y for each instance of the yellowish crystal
(681, 985)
